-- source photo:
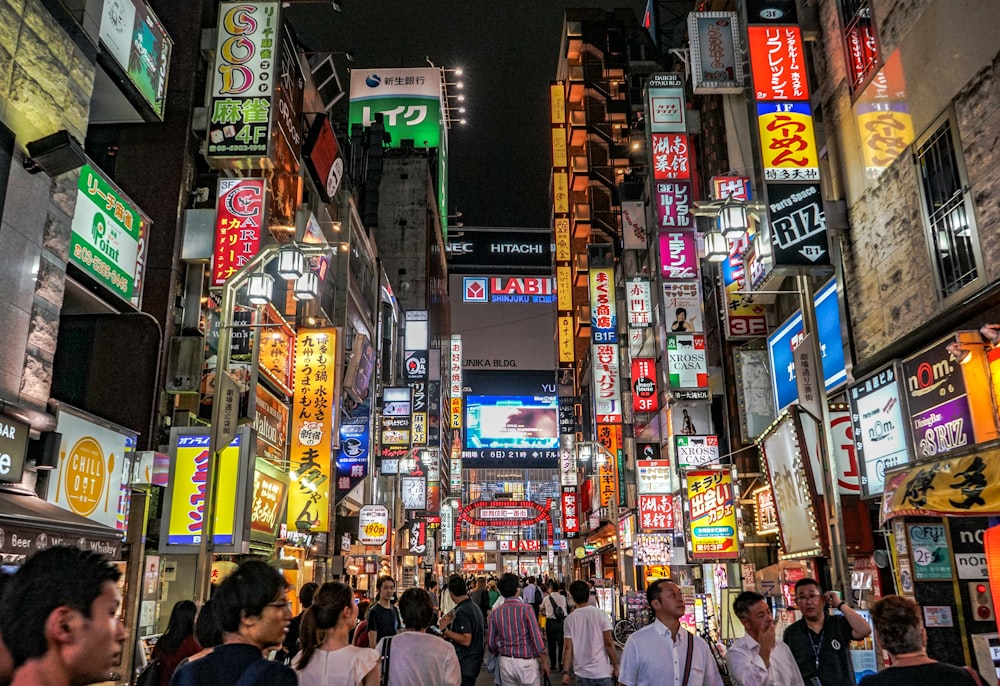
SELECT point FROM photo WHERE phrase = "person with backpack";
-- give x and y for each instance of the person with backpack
(532, 595)
(555, 609)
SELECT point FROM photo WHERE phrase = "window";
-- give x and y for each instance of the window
(860, 40)
(947, 205)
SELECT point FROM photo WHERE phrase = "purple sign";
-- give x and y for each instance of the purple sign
(940, 417)
(944, 428)
(678, 255)
(673, 204)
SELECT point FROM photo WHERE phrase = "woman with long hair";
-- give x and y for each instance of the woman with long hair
(178, 641)
(326, 657)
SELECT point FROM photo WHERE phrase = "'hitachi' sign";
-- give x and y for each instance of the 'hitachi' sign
(517, 248)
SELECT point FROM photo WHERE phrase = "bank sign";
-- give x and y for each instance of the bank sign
(408, 99)
(110, 236)
(516, 289)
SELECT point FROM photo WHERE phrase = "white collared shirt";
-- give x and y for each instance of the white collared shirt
(747, 668)
(644, 662)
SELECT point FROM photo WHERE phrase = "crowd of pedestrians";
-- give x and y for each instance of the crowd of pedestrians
(59, 626)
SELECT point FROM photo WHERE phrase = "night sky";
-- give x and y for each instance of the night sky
(500, 160)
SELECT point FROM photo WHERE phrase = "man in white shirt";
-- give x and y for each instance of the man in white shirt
(758, 658)
(664, 654)
(588, 647)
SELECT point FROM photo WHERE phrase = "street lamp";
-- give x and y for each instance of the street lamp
(259, 285)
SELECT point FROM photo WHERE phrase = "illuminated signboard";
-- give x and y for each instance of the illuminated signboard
(765, 511)
(665, 102)
(512, 422)
(373, 525)
(135, 38)
(110, 235)
(409, 99)
(644, 392)
(638, 303)
(798, 225)
(716, 63)
(787, 141)
(678, 255)
(712, 520)
(687, 366)
(880, 424)
(670, 156)
(652, 549)
(607, 384)
(570, 511)
(778, 63)
(654, 476)
(238, 226)
(13, 448)
(634, 224)
(267, 504)
(246, 66)
(323, 158)
(682, 304)
(352, 456)
(696, 451)
(656, 512)
(517, 289)
(313, 422)
(604, 313)
(673, 202)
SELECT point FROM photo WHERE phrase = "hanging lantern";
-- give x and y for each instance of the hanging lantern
(259, 288)
(716, 247)
(733, 221)
(307, 286)
(290, 261)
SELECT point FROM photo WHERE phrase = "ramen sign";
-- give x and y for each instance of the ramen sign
(373, 525)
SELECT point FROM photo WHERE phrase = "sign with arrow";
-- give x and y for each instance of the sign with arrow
(798, 225)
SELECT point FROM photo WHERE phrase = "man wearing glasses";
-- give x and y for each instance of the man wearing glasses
(819, 641)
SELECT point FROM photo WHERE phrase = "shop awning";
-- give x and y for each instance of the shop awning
(959, 486)
(29, 524)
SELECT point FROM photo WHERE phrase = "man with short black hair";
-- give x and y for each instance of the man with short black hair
(531, 595)
(758, 658)
(383, 618)
(465, 626)
(306, 593)
(821, 642)
(59, 619)
(588, 646)
(251, 608)
(514, 635)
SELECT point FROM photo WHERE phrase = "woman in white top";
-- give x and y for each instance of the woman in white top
(327, 658)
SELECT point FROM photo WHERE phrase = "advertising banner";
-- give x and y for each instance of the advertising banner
(92, 470)
(557, 102)
(653, 476)
(880, 424)
(673, 202)
(373, 525)
(781, 344)
(678, 255)
(670, 156)
(323, 158)
(567, 460)
(270, 425)
(413, 490)
(798, 224)
(716, 63)
(652, 549)
(788, 141)
(604, 313)
(968, 485)
(313, 422)
(765, 511)
(696, 451)
(564, 288)
(110, 235)
(239, 225)
(682, 305)
(563, 239)
(687, 366)
(567, 342)
(246, 65)
(841, 432)
(634, 224)
(645, 397)
(607, 384)
(778, 63)
(267, 502)
(656, 513)
(639, 303)
(939, 411)
(186, 490)
(790, 483)
(408, 98)
(744, 318)
(570, 511)
(352, 456)
(490, 250)
(276, 359)
(713, 523)
(666, 108)
(137, 41)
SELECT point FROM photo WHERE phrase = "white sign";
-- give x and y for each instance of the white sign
(971, 565)
(639, 303)
(842, 432)
(607, 383)
(682, 305)
(512, 513)
(567, 460)
(697, 451)
(414, 492)
(880, 438)
(373, 525)
(455, 369)
(654, 476)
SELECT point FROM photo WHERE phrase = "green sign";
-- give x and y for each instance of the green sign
(109, 235)
(929, 551)
(409, 101)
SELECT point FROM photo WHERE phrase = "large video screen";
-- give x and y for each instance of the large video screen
(522, 422)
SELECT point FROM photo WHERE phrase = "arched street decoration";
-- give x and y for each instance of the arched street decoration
(498, 513)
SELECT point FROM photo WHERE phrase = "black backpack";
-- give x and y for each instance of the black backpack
(557, 612)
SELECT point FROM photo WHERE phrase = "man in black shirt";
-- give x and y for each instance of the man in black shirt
(821, 642)
(306, 593)
(465, 627)
(383, 618)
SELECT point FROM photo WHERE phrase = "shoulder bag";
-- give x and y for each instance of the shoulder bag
(386, 648)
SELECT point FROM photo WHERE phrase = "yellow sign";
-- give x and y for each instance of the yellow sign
(559, 147)
(560, 192)
(567, 342)
(564, 288)
(88, 478)
(654, 572)
(609, 436)
(557, 99)
(712, 522)
(967, 485)
(456, 413)
(187, 502)
(787, 141)
(563, 240)
(312, 429)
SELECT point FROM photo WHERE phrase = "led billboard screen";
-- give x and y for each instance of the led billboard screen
(517, 422)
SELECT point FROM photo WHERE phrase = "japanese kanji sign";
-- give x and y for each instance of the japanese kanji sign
(778, 63)
(312, 433)
(603, 309)
(673, 202)
(712, 515)
(238, 226)
(670, 156)
(787, 141)
(607, 383)
(570, 511)
(716, 65)
(653, 476)
(639, 303)
(656, 512)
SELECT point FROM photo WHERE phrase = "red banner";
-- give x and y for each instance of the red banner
(656, 513)
(778, 63)
(644, 392)
(238, 225)
(670, 156)
(570, 511)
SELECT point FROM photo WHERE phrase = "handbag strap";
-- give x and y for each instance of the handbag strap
(975, 675)
(687, 662)
(254, 672)
(386, 648)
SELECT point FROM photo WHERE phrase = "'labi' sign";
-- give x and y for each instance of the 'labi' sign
(940, 416)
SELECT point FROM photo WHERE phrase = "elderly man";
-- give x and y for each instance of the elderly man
(758, 658)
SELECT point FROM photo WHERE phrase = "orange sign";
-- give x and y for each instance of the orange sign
(609, 436)
(312, 429)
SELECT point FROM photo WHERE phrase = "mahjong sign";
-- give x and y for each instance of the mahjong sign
(409, 101)
(109, 236)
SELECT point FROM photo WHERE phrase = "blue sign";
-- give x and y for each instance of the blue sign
(352, 458)
(783, 340)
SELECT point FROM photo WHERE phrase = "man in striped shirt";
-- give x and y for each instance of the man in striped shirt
(515, 636)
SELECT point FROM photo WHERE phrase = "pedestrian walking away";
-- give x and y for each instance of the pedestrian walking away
(758, 658)
(465, 627)
(514, 635)
(589, 651)
(555, 609)
(819, 641)
(414, 657)
(664, 652)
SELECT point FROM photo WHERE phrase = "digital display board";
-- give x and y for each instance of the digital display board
(530, 422)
